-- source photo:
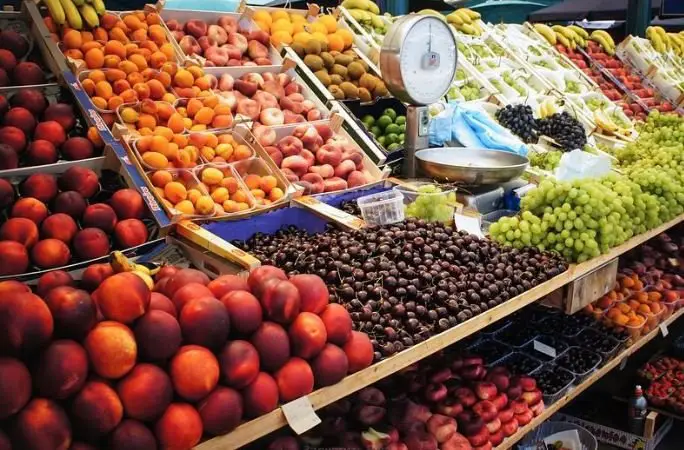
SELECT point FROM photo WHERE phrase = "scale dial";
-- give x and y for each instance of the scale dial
(418, 59)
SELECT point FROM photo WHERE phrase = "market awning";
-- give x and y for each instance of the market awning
(571, 10)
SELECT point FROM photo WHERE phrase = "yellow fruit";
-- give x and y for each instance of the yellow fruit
(263, 25)
(277, 15)
(282, 25)
(329, 22)
(263, 16)
(347, 37)
(298, 27)
(320, 37)
(280, 38)
(297, 18)
(317, 27)
(302, 37)
(335, 42)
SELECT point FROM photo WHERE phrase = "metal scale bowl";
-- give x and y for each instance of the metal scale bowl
(470, 166)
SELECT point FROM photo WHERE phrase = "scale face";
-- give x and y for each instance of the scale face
(418, 59)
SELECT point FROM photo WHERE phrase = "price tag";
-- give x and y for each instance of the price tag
(673, 262)
(468, 223)
(623, 363)
(543, 348)
(300, 415)
(663, 329)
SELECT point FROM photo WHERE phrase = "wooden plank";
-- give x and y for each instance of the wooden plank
(649, 425)
(577, 390)
(266, 424)
(588, 288)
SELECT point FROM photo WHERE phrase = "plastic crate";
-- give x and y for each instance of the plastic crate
(572, 353)
(382, 208)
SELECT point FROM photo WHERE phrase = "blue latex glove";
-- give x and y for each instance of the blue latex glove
(449, 125)
(491, 134)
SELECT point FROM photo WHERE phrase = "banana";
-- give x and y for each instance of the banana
(467, 29)
(89, 15)
(563, 40)
(72, 14)
(455, 19)
(373, 8)
(120, 263)
(649, 32)
(604, 122)
(464, 16)
(582, 42)
(546, 32)
(99, 6)
(607, 37)
(478, 28)
(542, 110)
(564, 31)
(146, 278)
(474, 15)
(376, 21)
(602, 42)
(355, 4)
(579, 31)
(360, 15)
(56, 11)
(657, 43)
(78, 2)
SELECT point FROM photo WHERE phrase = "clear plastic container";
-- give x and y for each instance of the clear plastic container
(212, 102)
(517, 335)
(240, 193)
(430, 206)
(551, 397)
(574, 352)
(256, 166)
(520, 363)
(491, 330)
(635, 331)
(490, 350)
(138, 108)
(382, 208)
(190, 181)
(589, 339)
(552, 341)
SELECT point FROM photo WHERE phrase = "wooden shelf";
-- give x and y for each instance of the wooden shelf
(257, 428)
(577, 390)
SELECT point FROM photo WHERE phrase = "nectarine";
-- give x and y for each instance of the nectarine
(205, 322)
(145, 392)
(244, 311)
(123, 297)
(96, 409)
(260, 396)
(221, 411)
(42, 424)
(26, 324)
(273, 345)
(62, 370)
(158, 335)
(180, 427)
(15, 386)
(194, 372)
(112, 349)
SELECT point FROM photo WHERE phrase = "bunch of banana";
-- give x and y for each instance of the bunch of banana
(570, 37)
(546, 32)
(604, 40)
(75, 12)
(466, 21)
(547, 108)
(366, 12)
(677, 41)
(120, 263)
(607, 124)
(660, 40)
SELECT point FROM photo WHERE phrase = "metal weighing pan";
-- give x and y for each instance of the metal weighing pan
(470, 166)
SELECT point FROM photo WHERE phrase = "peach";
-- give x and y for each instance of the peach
(6, 193)
(338, 323)
(359, 351)
(25, 323)
(132, 435)
(21, 118)
(260, 396)
(51, 280)
(41, 186)
(91, 243)
(184, 277)
(39, 153)
(42, 424)
(71, 203)
(194, 372)
(19, 229)
(112, 349)
(244, 311)
(128, 204)
(180, 427)
(94, 275)
(224, 284)
(31, 208)
(145, 392)
(160, 302)
(307, 335)
(73, 311)
(79, 179)
(15, 386)
(330, 366)
(14, 258)
(130, 233)
(273, 345)
(158, 335)
(239, 362)
(50, 253)
(205, 322)
(50, 131)
(221, 411)
(96, 409)
(123, 297)
(281, 301)
(59, 226)
(295, 379)
(62, 370)
(100, 215)
(13, 137)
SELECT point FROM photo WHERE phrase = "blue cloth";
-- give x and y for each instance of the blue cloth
(472, 127)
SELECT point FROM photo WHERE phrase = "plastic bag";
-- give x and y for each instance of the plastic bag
(491, 134)
(579, 164)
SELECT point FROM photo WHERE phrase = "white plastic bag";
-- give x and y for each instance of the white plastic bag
(579, 164)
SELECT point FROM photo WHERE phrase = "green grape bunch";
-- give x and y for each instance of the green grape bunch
(432, 204)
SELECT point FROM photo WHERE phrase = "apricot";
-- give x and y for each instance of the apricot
(128, 204)
(205, 322)
(273, 344)
(30, 208)
(73, 311)
(62, 370)
(112, 349)
(123, 297)
(42, 424)
(330, 366)
(59, 226)
(221, 411)
(91, 243)
(96, 409)
(295, 379)
(244, 311)
(40, 186)
(359, 351)
(180, 427)
(239, 361)
(158, 335)
(145, 392)
(14, 258)
(94, 275)
(20, 229)
(15, 386)
(260, 396)
(132, 435)
(338, 323)
(53, 279)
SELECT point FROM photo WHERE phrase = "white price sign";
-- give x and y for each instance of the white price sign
(543, 348)
(300, 415)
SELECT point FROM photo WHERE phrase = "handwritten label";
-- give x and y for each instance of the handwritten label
(468, 223)
(663, 329)
(300, 415)
(543, 348)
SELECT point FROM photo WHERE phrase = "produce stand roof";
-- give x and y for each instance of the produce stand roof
(570, 10)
